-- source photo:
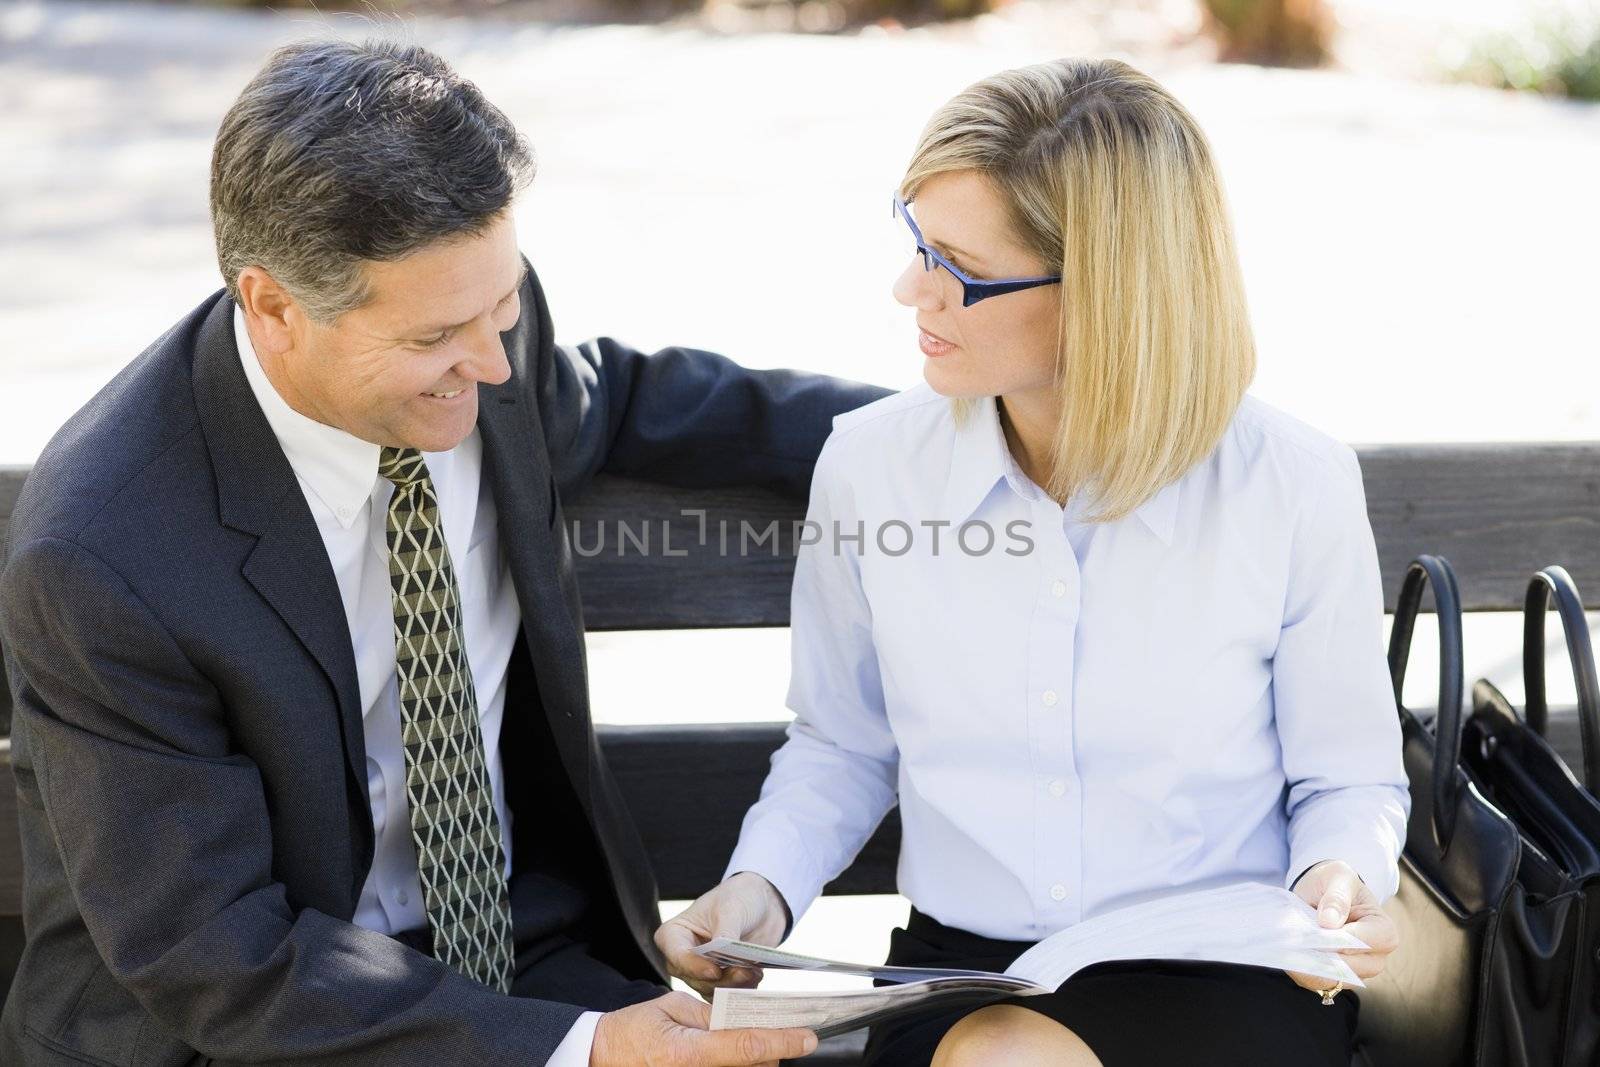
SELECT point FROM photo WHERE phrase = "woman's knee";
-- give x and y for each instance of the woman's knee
(1007, 1034)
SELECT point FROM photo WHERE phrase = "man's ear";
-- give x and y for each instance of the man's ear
(269, 310)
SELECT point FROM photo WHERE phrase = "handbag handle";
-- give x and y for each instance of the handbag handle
(1554, 581)
(1435, 572)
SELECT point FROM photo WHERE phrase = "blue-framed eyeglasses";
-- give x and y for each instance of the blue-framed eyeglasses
(972, 289)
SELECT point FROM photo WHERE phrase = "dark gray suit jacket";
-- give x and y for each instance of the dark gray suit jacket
(188, 741)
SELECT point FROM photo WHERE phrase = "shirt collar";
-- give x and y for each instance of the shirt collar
(339, 467)
(981, 458)
(977, 461)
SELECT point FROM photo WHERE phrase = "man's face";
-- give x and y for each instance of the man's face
(431, 327)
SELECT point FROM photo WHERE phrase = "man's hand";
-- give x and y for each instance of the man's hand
(670, 1031)
(1342, 899)
(745, 907)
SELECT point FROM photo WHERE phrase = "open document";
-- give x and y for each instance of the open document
(1247, 923)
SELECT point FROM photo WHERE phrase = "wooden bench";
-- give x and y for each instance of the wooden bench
(1497, 511)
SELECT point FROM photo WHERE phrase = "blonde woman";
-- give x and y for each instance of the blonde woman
(1103, 624)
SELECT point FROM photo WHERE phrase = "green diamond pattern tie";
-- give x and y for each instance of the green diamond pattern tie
(453, 821)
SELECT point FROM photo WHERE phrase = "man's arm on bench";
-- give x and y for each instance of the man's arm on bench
(679, 416)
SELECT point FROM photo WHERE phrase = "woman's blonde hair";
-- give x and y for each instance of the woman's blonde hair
(1108, 178)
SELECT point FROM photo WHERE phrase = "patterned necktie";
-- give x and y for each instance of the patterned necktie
(453, 821)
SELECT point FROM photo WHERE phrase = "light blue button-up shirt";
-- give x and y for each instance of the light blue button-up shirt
(1074, 717)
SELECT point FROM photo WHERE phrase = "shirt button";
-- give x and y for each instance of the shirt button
(403, 898)
(1058, 788)
(1049, 698)
(1058, 892)
(1058, 588)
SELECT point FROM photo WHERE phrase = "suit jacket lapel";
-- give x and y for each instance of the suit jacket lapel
(257, 493)
(519, 471)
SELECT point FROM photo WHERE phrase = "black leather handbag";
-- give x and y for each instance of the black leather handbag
(1525, 778)
(1489, 924)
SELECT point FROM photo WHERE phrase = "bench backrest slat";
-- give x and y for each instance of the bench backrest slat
(1497, 511)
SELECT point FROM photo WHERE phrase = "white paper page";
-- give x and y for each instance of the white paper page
(830, 1013)
(1246, 923)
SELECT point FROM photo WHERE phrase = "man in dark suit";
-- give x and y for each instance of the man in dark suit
(302, 740)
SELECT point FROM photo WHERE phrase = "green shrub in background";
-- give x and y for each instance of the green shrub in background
(1559, 56)
(917, 10)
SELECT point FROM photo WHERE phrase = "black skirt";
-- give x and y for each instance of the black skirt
(1134, 1013)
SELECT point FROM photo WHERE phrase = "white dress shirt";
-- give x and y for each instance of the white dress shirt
(338, 473)
(1080, 716)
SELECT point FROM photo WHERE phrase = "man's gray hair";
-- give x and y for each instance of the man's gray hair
(338, 153)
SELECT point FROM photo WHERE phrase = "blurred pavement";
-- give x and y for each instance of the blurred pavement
(730, 193)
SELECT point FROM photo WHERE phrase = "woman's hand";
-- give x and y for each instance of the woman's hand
(745, 907)
(1342, 899)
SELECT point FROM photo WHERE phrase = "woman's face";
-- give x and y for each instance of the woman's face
(999, 346)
